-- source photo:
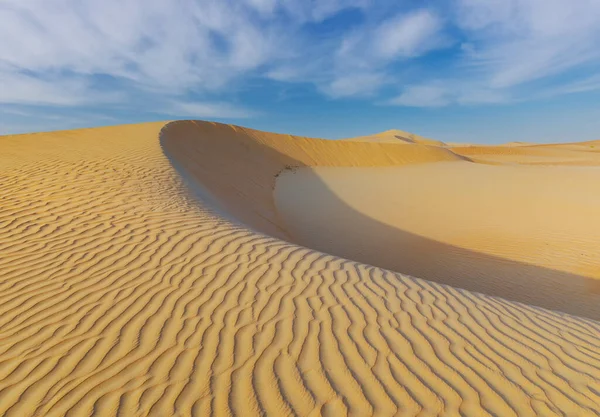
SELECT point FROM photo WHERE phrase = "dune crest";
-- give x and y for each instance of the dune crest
(145, 271)
(397, 136)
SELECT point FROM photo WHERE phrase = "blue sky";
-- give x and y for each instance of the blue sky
(484, 71)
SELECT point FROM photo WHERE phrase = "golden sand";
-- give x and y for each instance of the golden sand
(526, 233)
(147, 270)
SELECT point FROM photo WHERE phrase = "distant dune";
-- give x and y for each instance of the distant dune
(583, 153)
(157, 269)
(397, 136)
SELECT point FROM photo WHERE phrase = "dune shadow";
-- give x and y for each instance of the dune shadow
(239, 174)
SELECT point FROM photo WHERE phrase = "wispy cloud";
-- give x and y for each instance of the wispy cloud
(515, 50)
(354, 84)
(362, 60)
(153, 44)
(439, 93)
(51, 89)
(25, 118)
(518, 41)
(139, 53)
(423, 96)
(210, 110)
(73, 53)
(408, 35)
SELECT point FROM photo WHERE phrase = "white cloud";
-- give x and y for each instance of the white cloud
(23, 119)
(21, 88)
(265, 7)
(141, 53)
(515, 50)
(404, 35)
(360, 64)
(408, 35)
(211, 110)
(591, 83)
(183, 44)
(422, 96)
(519, 41)
(354, 85)
(54, 51)
(438, 93)
(319, 10)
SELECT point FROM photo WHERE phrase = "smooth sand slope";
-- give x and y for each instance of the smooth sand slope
(527, 233)
(152, 274)
(581, 153)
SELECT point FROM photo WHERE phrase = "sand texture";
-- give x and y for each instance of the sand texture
(397, 136)
(155, 270)
(582, 153)
(527, 233)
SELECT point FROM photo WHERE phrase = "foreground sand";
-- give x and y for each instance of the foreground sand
(155, 277)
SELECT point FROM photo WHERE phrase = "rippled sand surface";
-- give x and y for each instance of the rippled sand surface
(147, 270)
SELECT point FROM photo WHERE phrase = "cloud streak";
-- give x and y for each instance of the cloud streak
(520, 41)
(200, 53)
(515, 50)
(211, 110)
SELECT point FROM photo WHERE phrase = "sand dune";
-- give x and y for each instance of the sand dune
(146, 270)
(582, 153)
(526, 233)
(397, 136)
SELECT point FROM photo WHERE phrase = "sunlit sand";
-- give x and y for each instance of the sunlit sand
(195, 268)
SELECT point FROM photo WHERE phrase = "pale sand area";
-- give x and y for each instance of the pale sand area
(582, 153)
(149, 274)
(527, 233)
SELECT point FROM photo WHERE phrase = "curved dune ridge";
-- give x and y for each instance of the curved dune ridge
(146, 270)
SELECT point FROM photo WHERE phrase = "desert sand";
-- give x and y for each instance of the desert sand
(179, 269)
(526, 233)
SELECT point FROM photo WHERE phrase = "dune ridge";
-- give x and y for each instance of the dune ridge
(147, 276)
(246, 189)
(397, 136)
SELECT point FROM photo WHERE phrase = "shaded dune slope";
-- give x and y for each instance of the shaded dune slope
(525, 233)
(238, 166)
(123, 291)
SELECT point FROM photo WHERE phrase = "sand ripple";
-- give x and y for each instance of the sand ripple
(122, 294)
